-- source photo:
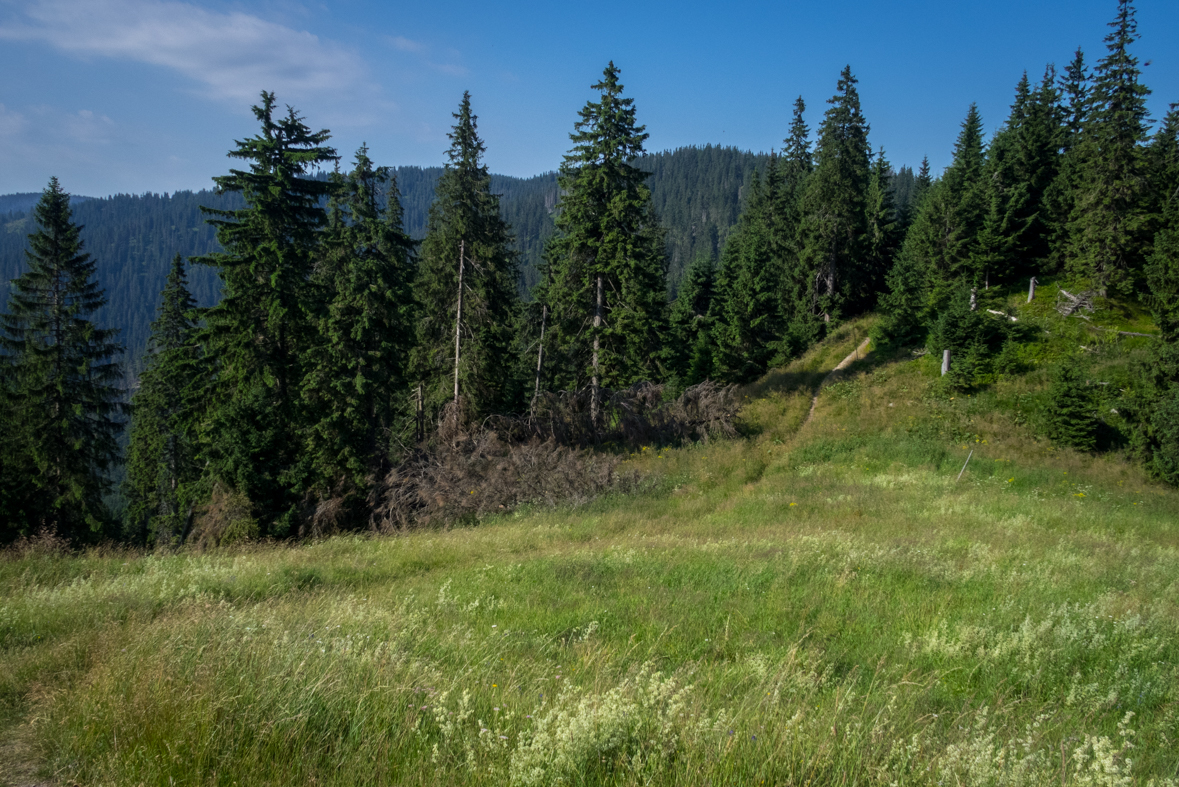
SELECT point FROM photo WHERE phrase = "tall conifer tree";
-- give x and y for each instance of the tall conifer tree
(465, 215)
(883, 238)
(749, 317)
(1109, 225)
(835, 220)
(62, 379)
(357, 384)
(689, 341)
(161, 457)
(260, 334)
(608, 263)
(1061, 195)
(798, 163)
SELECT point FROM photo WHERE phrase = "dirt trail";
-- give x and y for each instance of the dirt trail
(851, 358)
(18, 765)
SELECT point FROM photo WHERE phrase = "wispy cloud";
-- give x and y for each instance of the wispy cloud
(233, 55)
(424, 56)
(406, 45)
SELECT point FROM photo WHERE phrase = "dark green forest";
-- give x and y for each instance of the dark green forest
(697, 193)
(322, 342)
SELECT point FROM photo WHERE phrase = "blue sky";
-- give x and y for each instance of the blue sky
(148, 95)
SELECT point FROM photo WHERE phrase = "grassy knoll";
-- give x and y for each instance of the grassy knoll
(819, 603)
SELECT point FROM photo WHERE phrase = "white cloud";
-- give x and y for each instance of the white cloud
(234, 55)
(12, 125)
(407, 45)
(422, 50)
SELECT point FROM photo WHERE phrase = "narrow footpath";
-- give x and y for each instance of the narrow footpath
(851, 358)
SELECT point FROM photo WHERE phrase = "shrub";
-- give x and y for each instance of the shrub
(1070, 417)
(226, 519)
(637, 728)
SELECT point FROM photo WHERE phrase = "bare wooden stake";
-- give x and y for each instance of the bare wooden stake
(1032, 289)
(945, 362)
(963, 470)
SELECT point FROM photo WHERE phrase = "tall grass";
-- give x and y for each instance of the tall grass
(820, 602)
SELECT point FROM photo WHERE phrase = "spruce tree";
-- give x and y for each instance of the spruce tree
(689, 341)
(1071, 417)
(748, 317)
(1162, 167)
(161, 457)
(356, 387)
(1000, 241)
(1061, 194)
(259, 336)
(798, 163)
(1156, 404)
(835, 220)
(945, 230)
(1110, 218)
(608, 263)
(61, 382)
(1022, 163)
(921, 184)
(465, 216)
(883, 237)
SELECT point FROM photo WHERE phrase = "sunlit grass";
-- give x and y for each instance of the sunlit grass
(820, 602)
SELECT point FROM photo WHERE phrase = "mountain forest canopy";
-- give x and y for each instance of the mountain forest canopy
(301, 345)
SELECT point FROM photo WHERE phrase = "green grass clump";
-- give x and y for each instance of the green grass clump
(819, 602)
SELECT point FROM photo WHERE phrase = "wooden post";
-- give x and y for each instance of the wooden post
(458, 321)
(963, 470)
(1032, 289)
(945, 362)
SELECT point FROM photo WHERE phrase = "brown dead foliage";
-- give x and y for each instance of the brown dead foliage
(226, 519)
(469, 471)
(45, 542)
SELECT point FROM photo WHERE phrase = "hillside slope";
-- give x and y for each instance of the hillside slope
(820, 602)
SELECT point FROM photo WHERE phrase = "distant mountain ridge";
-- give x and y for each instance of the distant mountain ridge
(24, 201)
(697, 192)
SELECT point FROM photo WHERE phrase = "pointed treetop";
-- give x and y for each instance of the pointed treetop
(797, 150)
(1119, 99)
(968, 149)
(174, 321)
(466, 149)
(1019, 107)
(607, 132)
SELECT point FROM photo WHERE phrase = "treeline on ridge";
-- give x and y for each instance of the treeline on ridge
(697, 192)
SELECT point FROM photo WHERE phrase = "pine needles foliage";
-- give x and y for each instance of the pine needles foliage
(61, 385)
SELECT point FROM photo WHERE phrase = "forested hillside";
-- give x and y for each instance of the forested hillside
(696, 192)
(378, 344)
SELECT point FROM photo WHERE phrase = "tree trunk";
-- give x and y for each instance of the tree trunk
(595, 383)
(458, 322)
(420, 417)
(544, 312)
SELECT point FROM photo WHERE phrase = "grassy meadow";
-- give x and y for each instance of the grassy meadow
(820, 602)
